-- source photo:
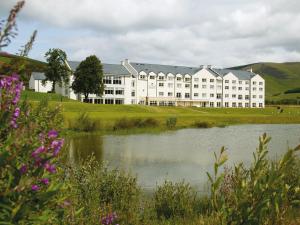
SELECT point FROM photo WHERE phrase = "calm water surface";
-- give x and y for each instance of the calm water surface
(185, 154)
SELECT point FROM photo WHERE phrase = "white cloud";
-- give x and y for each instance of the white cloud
(191, 32)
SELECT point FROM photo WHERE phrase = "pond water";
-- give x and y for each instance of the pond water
(184, 154)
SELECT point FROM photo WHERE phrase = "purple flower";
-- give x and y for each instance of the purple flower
(50, 168)
(52, 134)
(45, 181)
(16, 112)
(23, 169)
(56, 145)
(38, 151)
(35, 187)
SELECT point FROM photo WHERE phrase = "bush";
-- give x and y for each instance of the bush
(173, 200)
(98, 191)
(171, 122)
(203, 124)
(263, 194)
(126, 123)
(83, 123)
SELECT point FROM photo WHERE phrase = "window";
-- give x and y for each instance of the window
(187, 85)
(196, 94)
(246, 82)
(233, 96)
(234, 81)
(170, 85)
(234, 104)
(107, 80)
(240, 82)
(178, 95)
(178, 78)
(247, 88)
(119, 92)
(234, 88)
(132, 84)
(240, 88)
(160, 84)
(247, 105)
(170, 94)
(119, 101)
(254, 105)
(143, 77)
(160, 93)
(218, 104)
(260, 83)
(204, 86)
(212, 86)
(108, 92)
(98, 101)
(187, 95)
(226, 104)
(219, 96)
(241, 105)
(261, 89)
(254, 82)
(179, 85)
(226, 81)
(153, 103)
(212, 80)
(109, 101)
(212, 95)
(196, 79)
(246, 97)
(260, 105)
(226, 95)
(240, 97)
(170, 78)
(152, 77)
(196, 86)
(211, 104)
(260, 96)
(203, 80)
(254, 89)
(187, 79)
(203, 95)
(117, 80)
(161, 78)
(219, 87)
(132, 94)
(253, 96)
(227, 87)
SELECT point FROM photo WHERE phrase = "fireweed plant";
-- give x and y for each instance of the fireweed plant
(29, 147)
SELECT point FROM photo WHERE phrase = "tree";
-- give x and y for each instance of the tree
(88, 77)
(57, 70)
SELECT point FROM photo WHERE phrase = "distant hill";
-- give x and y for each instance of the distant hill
(280, 78)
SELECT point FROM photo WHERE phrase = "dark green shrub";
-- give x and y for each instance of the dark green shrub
(126, 123)
(171, 122)
(174, 200)
(203, 124)
(83, 123)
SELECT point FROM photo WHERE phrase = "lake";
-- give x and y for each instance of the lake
(184, 154)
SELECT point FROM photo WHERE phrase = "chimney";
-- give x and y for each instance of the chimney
(250, 70)
(127, 61)
(201, 66)
(208, 67)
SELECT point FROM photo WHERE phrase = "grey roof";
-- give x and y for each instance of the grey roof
(38, 76)
(157, 68)
(240, 74)
(108, 69)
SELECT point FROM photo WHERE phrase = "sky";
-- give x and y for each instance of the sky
(222, 33)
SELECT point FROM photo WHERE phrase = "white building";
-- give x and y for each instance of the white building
(165, 85)
(35, 83)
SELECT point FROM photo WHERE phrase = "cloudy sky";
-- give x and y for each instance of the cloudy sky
(183, 32)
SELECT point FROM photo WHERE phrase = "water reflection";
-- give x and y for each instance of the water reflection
(184, 154)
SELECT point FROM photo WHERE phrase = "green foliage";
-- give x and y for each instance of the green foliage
(83, 123)
(174, 200)
(96, 190)
(88, 77)
(57, 70)
(171, 122)
(262, 194)
(203, 124)
(126, 123)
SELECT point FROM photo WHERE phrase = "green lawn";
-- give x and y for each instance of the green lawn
(36, 96)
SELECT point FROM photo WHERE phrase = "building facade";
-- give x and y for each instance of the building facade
(165, 85)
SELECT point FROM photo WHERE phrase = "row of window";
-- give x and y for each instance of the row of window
(115, 80)
(112, 91)
(241, 88)
(108, 101)
(234, 105)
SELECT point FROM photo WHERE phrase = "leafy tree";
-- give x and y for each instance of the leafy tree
(88, 77)
(57, 70)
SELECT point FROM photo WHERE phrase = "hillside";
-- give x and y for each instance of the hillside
(280, 78)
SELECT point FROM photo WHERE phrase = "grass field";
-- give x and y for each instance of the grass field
(35, 96)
